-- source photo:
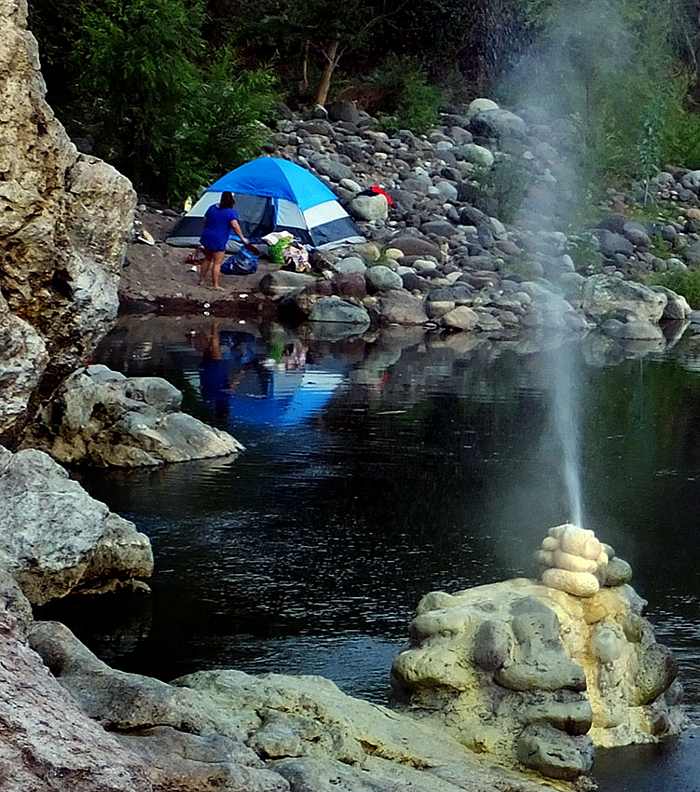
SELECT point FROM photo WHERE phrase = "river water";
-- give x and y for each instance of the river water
(380, 468)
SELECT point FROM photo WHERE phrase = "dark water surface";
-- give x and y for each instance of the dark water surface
(378, 470)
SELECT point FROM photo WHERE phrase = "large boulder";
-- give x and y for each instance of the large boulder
(605, 295)
(332, 168)
(51, 739)
(677, 307)
(344, 111)
(381, 278)
(536, 675)
(103, 418)
(64, 221)
(477, 155)
(612, 243)
(333, 309)
(480, 105)
(283, 284)
(498, 123)
(369, 207)
(56, 539)
(23, 359)
(46, 742)
(403, 308)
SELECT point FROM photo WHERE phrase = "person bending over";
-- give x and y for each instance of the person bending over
(219, 219)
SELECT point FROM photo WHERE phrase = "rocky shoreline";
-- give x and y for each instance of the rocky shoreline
(506, 686)
(440, 256)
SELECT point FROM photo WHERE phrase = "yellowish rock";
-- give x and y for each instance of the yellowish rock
(580, 584)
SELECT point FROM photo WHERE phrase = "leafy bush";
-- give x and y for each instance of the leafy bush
(686, 282)
(507, 184)
(412, 103)
(585, 253)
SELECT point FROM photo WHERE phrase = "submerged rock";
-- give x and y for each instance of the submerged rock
(56, 539)
(103, 418)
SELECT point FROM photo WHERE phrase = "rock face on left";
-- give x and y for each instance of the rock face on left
(64, 220)
(46, 742)
(56, 539)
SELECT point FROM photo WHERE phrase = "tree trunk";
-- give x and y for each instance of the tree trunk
(305, 68)
(324, 86)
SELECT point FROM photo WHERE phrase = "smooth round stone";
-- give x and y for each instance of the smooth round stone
(383, 279)
(350, 185)
(424, 266)
(352, 264)
(618, 573)
(481, 105)
(393, 253)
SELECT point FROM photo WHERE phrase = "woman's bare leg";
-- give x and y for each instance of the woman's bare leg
(203, 267)
(217, 261)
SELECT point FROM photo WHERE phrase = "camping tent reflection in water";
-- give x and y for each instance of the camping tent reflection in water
(245, 381)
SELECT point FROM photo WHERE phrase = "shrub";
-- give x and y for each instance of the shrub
(686, 283)
(412, 103)
(507, 183)
(585, 253)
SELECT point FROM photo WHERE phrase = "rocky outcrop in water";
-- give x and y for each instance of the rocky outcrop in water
(56, 539)
(100, 417)
(267, 733)
(64, 220)
(537, 676)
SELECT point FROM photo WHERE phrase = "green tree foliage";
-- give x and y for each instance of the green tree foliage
(615, 67)
(163, 108)
(411, 102)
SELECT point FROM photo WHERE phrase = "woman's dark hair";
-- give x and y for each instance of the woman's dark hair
(227, 200)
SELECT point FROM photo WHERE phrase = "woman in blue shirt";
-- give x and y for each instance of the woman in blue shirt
(219, 220)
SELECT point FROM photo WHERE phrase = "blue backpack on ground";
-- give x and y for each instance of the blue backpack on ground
(244, 262)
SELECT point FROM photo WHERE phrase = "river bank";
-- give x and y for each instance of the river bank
(441, 255)
(71, 720)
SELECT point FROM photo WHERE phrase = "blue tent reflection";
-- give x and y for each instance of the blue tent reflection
(242, 384)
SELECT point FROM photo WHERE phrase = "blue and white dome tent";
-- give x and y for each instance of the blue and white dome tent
(274, 195)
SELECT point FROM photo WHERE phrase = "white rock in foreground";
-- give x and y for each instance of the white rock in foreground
(103, 418)
(56, 539)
